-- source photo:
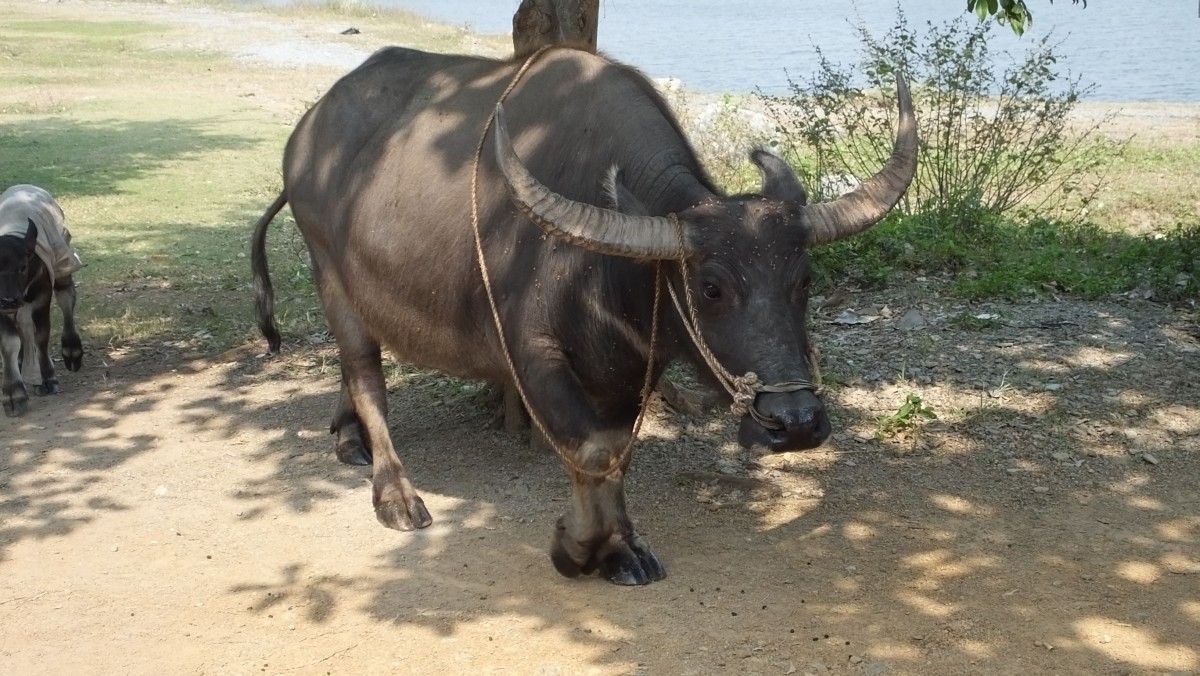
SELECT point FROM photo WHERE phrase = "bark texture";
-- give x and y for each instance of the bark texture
(538, 23)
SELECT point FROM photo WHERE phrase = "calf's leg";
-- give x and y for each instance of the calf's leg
(41, 336)
(12, 393)
(72, 345)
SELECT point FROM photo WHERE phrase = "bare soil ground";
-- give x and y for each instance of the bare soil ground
(168, 515)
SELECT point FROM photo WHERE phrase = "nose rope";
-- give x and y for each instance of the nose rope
(742, 389)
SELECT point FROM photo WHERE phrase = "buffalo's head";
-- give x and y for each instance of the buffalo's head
(747, 265)
(16, 255)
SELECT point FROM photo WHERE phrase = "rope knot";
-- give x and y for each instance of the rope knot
(745, 389)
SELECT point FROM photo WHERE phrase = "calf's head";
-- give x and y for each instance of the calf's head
(745, 261)
(16, 256)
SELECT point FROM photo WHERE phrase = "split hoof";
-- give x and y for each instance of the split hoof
(402, 517)
(48, 387)
(16, 403)
(353, 452)
(397, 504)
(72, 353)
(626, 561)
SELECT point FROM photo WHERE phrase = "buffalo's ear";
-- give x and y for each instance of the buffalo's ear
(779, 181)
(617, 197)
(31, 235)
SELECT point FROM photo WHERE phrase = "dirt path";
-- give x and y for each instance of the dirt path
(188, 517)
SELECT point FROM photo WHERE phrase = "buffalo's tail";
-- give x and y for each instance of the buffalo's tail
(264, 293)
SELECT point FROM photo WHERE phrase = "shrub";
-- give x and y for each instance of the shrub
(991, 140)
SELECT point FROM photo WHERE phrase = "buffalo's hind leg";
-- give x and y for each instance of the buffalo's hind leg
(397, 504)
(72, 345)
(352, 448)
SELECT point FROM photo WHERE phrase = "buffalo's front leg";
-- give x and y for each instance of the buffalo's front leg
(597, 534)
(72, 345)
(12, 393)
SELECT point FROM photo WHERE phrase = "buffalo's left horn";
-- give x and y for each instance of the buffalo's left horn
(584, 225)
(867, 204)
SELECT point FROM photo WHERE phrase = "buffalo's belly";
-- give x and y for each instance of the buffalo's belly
(425, 317)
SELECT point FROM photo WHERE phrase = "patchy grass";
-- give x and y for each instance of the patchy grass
(164, 149)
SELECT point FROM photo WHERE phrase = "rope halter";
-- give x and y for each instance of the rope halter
(744, 389)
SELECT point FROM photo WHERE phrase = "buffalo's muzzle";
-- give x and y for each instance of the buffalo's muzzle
(9, 303)
(799, 419)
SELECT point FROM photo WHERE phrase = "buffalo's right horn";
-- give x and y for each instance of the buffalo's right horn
(584, 225)
(867, 204)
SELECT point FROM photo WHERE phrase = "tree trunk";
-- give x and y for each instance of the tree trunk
(547, 22)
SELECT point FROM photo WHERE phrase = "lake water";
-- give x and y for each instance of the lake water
(1145, 50)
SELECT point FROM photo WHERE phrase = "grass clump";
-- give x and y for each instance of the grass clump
(910, 414)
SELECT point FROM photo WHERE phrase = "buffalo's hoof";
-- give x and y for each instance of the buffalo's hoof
(72, 353)
(621, 560)
(635, 566)
(353, 452)
(16, 402)
(48, 387)
(398, 516)
(397, 504)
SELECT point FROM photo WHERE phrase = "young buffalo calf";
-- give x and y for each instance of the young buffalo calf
(36, 257)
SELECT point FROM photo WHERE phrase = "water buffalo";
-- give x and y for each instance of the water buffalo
(596, 185)
(36, 259)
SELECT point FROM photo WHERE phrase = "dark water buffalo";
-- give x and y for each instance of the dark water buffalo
(36, 260)
(573, 215)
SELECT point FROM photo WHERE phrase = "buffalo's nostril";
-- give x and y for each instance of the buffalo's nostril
(9, 303)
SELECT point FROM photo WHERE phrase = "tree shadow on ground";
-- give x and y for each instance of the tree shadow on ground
(990, 554)
(76, 158)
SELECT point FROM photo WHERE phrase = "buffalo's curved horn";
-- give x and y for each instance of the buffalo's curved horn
(867, 204)
(584, 225)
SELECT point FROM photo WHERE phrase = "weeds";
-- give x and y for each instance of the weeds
(907, 417)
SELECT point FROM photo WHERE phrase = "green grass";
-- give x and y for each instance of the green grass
(163, 156)
(990, 257)
(164, 151)
(160, 170)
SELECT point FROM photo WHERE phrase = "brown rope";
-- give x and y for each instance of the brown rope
(618, 463)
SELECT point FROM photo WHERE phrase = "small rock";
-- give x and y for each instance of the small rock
(1150, 459)
(850, 317)
(1060, 456)
(1041, 489)
(855, 659)
(1106, 639)
(1053, 387)
(161, 491)
(911, 321)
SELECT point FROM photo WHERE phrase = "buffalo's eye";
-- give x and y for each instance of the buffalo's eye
(711, 291)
